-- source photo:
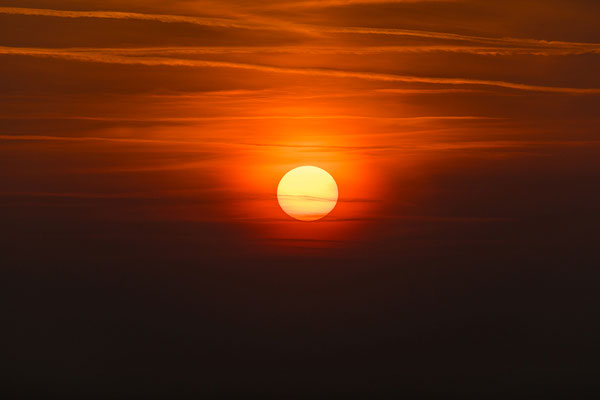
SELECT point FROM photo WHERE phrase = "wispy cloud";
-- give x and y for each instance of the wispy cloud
(341, 3)
(344, 50)
(91, 139)
(232, 21)
(402, 145)
(507, 41)
(258, 22)
(376, 76)
(204, 21)
(306, 197)
(237, 117)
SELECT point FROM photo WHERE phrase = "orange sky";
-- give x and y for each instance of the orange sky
(192, 111)
(143, 250)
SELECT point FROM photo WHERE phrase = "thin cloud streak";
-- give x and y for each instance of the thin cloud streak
(343, 3)
(203, 21)
(233, 21)
(256, 22)
(405, 146)
(508, 41)
(251, 117)
(30, 138)
(151, 61)
(345, 50)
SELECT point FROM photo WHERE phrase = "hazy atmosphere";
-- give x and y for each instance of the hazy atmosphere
(144, 249)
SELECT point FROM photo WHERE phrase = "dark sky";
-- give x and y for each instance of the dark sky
(143, 250)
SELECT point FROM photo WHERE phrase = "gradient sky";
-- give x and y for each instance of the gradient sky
(140, 139)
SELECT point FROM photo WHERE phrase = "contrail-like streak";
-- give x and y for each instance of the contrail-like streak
(150, 61)
(257, 22)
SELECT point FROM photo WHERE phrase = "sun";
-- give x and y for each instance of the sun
(307, 193)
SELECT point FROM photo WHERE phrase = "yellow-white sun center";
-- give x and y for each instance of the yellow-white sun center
(307, 193)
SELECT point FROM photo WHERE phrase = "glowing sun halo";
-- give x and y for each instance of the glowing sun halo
(307, 193)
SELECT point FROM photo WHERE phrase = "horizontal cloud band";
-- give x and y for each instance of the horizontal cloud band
(334, 73)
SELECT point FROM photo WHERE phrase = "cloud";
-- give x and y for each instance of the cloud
(235, 21)
(344, 50)
(179, 194)
(343, 3)
(237, 117)
(334, 73)
(404, 145)
(90, 139)
(258, 22)
(507, 41)
(204, 21)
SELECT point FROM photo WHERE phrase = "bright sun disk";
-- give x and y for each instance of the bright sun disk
(307, 193)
